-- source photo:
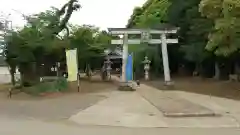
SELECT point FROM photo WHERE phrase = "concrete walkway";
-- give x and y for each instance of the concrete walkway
(126, 109)
(118, 109)
(30, 127)
(171, 105)
(131, 109)
(203, 122)
(223, 106)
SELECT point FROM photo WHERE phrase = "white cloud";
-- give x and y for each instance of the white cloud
(101, 13)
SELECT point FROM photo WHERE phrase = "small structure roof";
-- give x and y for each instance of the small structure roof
(113, 54)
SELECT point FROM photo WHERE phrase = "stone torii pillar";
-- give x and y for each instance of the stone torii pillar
(145, 38)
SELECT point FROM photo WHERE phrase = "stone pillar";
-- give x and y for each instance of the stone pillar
(124, 57)
(167, 77)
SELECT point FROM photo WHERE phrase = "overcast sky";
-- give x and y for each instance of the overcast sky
(101, 13)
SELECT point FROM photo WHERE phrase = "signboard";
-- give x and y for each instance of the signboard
(145, 37)
(72, 64)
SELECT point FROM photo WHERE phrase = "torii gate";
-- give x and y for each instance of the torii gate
(145, 38)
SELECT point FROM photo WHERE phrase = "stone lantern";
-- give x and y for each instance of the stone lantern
(108, 68)
(146, 63)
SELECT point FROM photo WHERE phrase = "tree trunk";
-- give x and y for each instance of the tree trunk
(88, 71)
(197, 69)
(21, 79)
(217, 71)
(236, 68)
(12, 72)
(29, 75)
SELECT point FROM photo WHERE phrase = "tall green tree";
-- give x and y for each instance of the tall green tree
(180, 13)
(90, 43)
(193, 33)
(224, 40)
(152, 13)
(29, 47)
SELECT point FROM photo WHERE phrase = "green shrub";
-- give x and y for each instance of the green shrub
(61, 84)
(46, 87)
(58, 85)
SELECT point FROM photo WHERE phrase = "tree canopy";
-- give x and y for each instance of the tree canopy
(29, 47)
(43, 40)
(209, 31)
(91, 43)
(151, 13)
(225, 38)
(207, 28)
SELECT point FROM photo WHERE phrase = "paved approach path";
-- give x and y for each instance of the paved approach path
(29, 127)
(130, 109)
(171, 105)
(113, 110)
(126, 109)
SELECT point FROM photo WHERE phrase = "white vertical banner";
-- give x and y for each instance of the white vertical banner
(72, 64)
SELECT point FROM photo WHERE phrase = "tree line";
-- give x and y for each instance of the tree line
(45, 37)
(208, 39)
(209, 35)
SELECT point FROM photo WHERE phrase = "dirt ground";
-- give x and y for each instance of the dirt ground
(56, 107)
(224, 89)
(95, 85)
(4, 87)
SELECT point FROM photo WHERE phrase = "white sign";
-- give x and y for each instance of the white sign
(72, 64)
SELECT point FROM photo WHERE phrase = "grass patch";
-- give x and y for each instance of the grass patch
(59, 85)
